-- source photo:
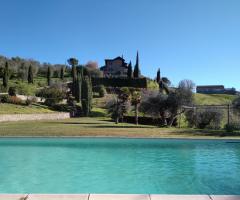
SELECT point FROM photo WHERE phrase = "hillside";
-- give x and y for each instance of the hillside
(213, 99)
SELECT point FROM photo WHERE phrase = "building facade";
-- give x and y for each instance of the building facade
(116, 67)
(215, 89)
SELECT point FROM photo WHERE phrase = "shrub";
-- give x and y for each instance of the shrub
(3, 89)
(102, 92)
(232, 127)
(15, 100)
(12, 91)
(4, 99)
(210, 118)
(190, 118)
(152, 85)
(53, 95)
(100, 89)
(26, 89)
(61, 107)
(30, 101)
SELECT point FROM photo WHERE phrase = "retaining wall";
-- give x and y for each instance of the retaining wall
(29, 117)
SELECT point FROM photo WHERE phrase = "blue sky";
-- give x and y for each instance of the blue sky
(187, 39)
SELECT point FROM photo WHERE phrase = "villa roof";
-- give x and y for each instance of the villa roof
(117, 58)
(211, 86)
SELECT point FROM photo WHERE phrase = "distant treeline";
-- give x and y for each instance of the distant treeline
(18, 68)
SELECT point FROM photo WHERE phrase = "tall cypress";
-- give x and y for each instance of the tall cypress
(129, 72)
(5, 75)
(78, 86)
(86, 96)
(73, 62)
(74, 80)
(49, 74)
(158, 75)
(136, 72)
(30, 74)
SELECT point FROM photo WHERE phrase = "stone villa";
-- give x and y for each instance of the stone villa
(116, 67)
(215, 89)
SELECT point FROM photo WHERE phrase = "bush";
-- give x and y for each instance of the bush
(100, 89)
(4, 99)
(12, 91)
(190, 118)
(3, 89)
(61, 107)
(210, 118)
(152, 85)
(232, 127)
(15, 100)
(53, 95)
(26, 89)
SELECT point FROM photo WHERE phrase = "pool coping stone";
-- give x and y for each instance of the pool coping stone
(115, 197)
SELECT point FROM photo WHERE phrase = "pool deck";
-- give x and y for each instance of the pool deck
(115, 197)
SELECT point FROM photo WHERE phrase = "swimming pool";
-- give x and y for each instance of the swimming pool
(107, 165)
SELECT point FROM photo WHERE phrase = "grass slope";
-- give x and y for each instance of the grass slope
(213, 99)
(6, 108)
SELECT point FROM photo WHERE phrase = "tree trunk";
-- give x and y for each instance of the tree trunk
(117, 120)
(136, 114)
(164, 119)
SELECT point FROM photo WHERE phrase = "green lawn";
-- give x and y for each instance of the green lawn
(6, 108)
(98, 127)
(214, 99)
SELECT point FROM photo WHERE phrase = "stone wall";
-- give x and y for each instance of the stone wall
(29, 117)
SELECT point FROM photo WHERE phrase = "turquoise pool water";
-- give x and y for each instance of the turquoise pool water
(91, 165)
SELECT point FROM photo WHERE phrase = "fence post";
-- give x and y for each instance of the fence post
(228, 114)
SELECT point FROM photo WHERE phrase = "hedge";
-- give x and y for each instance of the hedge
(146, 120)
(120, 82)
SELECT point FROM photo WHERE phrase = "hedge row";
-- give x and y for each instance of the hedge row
(146, 120)
(120, 82)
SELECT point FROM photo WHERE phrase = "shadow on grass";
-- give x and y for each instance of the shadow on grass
(97, 114)
(41, 106)
(81, 123)
(116, 126)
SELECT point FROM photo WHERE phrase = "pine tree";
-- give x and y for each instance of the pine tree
(158, 76)
(129, 72)
(30, 75)
(5, 75)
(62, 73)
(49, 74)
(136, 72)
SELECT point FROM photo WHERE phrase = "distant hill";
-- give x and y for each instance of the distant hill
(214, 99)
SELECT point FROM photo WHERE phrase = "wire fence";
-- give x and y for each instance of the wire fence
(229, 114)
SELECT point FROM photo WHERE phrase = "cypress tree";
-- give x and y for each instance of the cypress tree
(62, 73)
(86, 96)
(73, 62)
(136, 72)
(5, 75)
(74, 80)
(78, 86)
(158, 76)
(49, 75)
(30, 74)
(129, 72)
